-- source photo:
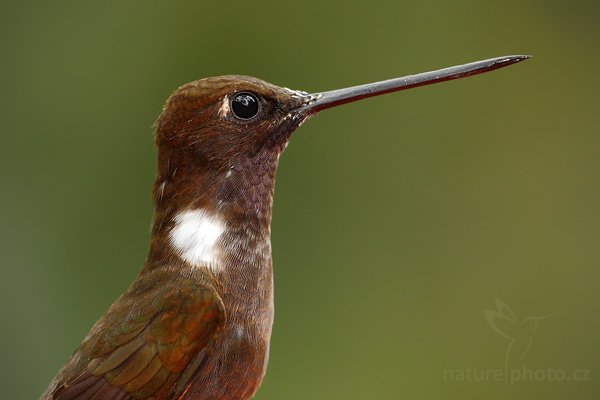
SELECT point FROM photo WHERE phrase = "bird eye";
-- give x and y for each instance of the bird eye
(244, 105)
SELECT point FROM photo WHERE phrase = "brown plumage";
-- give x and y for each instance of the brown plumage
(191, 330)
(196, 322)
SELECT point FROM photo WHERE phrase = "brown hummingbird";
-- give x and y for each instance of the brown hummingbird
(195, 324)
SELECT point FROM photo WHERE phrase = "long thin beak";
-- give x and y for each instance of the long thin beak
(341, 96)
(546, 316)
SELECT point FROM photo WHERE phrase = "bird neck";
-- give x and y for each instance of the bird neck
(215, 218)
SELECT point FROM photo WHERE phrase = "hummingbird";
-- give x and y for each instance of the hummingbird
(519, 333)
(195, 323)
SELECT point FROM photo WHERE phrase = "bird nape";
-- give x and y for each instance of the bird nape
(196, 322)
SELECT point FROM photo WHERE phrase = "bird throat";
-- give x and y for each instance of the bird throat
(220, 220)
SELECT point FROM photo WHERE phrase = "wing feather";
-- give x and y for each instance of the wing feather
(147, 342)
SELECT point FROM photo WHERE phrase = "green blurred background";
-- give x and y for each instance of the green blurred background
(398, 221)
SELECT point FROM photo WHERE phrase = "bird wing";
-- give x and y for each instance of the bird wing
(501, 324)
(149, 343)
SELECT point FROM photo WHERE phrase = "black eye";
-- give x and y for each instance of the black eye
(244, 105)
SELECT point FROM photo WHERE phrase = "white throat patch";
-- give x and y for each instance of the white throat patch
(195, 235)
